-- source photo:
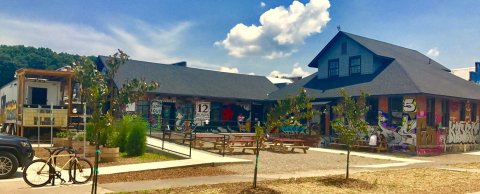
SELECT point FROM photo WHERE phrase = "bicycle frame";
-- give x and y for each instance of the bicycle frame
(51, 161)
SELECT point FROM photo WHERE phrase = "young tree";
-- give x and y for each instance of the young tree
(351, 120)
(291, 110)
(98, 89)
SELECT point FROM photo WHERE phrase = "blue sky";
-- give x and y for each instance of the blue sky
(269, 37)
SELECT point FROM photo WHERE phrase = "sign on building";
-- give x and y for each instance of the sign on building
(130, 107)
(202, 112)
(156, 108)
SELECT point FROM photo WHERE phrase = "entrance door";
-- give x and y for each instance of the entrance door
(168, 115)
(39, 96)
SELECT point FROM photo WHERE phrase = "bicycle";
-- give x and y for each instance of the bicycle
(41, 172)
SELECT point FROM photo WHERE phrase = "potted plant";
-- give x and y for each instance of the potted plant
(110, 152)
(63, 138)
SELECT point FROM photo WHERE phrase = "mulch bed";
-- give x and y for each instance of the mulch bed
(170, 173)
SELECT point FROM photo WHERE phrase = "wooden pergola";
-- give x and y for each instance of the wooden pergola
(65, 77)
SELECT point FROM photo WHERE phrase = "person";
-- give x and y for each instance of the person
(240, 121)
(373, 140)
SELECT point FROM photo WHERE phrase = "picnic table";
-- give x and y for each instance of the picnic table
(283, 144)
(381, 146)
(238, 143)
(200, 138)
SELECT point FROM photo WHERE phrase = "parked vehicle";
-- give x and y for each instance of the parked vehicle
(14, 152)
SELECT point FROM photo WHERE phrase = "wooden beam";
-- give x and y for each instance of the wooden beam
(65, 74)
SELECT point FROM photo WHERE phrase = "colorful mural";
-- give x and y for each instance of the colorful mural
(398, 135)
(11, 108)
(463, 132)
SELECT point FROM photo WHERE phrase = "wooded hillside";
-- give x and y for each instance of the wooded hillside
(17, 57)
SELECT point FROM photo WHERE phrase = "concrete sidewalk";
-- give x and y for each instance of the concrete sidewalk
(401, 161)
(199, 157)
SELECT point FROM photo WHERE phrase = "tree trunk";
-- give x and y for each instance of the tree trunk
(256, 165)
(348, 160)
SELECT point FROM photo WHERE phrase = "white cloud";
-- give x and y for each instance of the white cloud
(262, 4)
(433, 52)
(140, 40)
(280, 32)
(297, 71)
(251, 73)
(229, 70)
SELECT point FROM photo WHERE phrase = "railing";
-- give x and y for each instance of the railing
(178, 138)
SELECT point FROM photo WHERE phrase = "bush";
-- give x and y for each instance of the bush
(90, 134)
(65, 134)
(136, 143)
(124, 127)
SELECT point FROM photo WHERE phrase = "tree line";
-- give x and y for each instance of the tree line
(16, 57)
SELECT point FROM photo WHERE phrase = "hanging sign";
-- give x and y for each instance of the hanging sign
(202, 112)
(156, 108)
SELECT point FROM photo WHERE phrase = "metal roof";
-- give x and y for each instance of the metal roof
(407, 72)
(187, 81)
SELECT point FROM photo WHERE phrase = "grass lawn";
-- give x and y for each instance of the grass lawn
(420, 180)
(150, 155)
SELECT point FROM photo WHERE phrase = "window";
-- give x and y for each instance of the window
(462, 111)
(431, 112)
(355, 66)
(473, 112)
(215, 112)
(142, 108)
(372, 114)
(344, 48)
(395, 108)
(445, 113)
(333, 68)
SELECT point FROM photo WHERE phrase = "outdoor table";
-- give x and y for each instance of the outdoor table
(243, 144)
(282, 144)
(244, 136)
(199, 137)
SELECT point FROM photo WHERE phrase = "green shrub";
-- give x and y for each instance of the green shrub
(109, 137)
(124, 127)
(137, 140)
(89, 133)
(65, 134)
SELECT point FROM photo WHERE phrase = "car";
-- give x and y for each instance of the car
(15, 152)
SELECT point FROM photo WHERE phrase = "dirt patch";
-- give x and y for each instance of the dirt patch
(163, 174)
(420, 180)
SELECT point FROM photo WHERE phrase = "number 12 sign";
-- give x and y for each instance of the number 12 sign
(202, 112)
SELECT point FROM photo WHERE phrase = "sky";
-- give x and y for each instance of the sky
(266, 37)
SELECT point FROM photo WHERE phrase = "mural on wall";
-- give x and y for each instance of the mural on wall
(463, 132)
(404, 134)
(10, 109)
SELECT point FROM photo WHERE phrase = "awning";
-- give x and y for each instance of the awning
(321, 103)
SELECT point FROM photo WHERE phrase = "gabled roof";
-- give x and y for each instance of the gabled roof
(408, 72)
(186, 81)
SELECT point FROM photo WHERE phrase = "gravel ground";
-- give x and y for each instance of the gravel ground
(277, 163)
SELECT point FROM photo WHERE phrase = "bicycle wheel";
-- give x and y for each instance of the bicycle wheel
(81, 170)
(37, 173)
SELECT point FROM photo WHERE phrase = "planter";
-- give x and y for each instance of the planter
(61, 142)
(109, 154)
(88, 149)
